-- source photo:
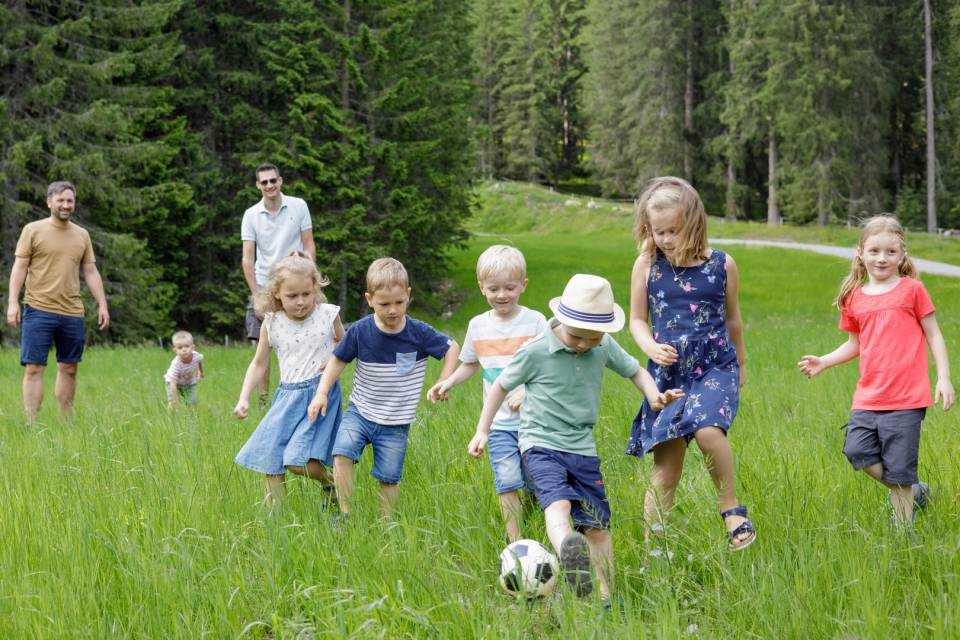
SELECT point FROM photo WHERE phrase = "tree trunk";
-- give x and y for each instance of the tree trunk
(931, 148)
(688, 94)
(773, 207)
(731, 201)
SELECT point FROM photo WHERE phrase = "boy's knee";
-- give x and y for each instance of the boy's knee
(597, 536)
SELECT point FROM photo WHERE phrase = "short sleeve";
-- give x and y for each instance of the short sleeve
(88, 257)
(848, 321)
(247, 229)
(198, 357)
(517, 371)
(468, 353)
(922, 304)
(619, 360)
(25, 243)
(172, 371)
(434, 343)
(305, 221)
(348, 348)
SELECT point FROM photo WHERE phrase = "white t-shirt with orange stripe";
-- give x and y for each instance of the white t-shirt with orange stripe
(491, 342)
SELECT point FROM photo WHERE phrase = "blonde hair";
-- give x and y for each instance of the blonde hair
(295, 264)
(384, 273)
(883, 223)
(182, 337)
(501, 259)
(668, 193)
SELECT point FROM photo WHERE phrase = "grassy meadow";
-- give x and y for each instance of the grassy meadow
(128, 522)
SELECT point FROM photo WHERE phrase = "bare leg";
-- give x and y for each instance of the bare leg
(510, 510)
(901, 495)
(389, 496)
(601, 554)
(574, 550)
(716, 450)
(32, 391)
(343, 476)
(274, 490)
(314, 470)
(557, 520)
(66, 386)
(667, 468)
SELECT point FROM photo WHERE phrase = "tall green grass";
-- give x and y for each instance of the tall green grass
(128, 522)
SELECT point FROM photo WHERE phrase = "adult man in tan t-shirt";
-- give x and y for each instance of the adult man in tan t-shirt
(50, 256)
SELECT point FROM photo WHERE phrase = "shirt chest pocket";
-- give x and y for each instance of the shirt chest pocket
(405, 363)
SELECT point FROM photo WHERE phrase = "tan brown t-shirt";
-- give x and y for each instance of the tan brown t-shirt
(53, 276)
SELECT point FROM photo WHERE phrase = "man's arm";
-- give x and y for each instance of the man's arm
(18, 275)
(248, 261)
(92, 276)
(306, 237)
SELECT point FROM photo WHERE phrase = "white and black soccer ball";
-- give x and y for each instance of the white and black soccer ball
(528, 569)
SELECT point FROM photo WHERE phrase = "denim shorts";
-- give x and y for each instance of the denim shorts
(286, 437)
(187, 393)
(389, 442)
(560, 475)
(891, 438)
(509, 473)
(41, 329)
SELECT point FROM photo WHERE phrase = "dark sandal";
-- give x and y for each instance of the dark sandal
(744, 527)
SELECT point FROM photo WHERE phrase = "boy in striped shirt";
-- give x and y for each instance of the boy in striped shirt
(184, 372)
(492, 339)
(391, 351)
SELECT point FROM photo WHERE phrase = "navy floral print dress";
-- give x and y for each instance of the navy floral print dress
(688, 310)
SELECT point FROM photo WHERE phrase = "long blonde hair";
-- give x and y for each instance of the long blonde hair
(297, 264)
(883, 223)
(668, 193)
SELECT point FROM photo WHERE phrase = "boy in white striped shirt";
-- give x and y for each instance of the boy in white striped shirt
(391, 351)
(184, 372)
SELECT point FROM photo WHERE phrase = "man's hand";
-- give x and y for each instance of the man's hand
(13, 313)
(103, 317)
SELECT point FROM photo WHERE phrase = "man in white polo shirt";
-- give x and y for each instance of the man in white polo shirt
(271, 229)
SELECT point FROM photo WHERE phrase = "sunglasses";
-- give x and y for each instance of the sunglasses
(267, 181)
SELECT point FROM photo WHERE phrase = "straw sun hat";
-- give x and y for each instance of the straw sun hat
(587, 303)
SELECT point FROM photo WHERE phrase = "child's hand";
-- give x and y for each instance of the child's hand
(944, 391)
(318, 406)
(664, 354)
(171, 405)
(811, 365)
(240, 411)
(515, 399)
(439, 392)
(477, 445)
(665, 398)
(200, 376)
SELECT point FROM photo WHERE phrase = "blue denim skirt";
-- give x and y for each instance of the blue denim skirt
(286, 437)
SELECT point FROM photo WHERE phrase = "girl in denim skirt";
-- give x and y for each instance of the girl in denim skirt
(302, 329)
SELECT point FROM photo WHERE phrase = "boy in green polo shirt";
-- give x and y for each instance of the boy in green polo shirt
(562, 370)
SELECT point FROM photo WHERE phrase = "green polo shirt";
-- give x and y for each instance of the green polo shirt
(563, 390)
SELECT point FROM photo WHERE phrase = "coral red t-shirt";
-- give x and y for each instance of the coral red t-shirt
(893, 348)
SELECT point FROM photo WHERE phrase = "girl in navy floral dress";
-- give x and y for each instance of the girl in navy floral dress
(689, 293)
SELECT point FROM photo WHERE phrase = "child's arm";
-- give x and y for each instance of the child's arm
(331, 373)
(662, 354)
(174, 395)
(450, 360)
(938, 347)
(338, 330)
(491, 404)
(258, 366)
(200, 369)
(734, 320)
(441, 389)
(812, 365)
(643, 381)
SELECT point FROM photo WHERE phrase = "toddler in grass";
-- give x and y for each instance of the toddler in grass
(890, 320)
(688, 292)
(562, 372)
(184, 372)
(492, 339)
(302, 329)
(391, 351)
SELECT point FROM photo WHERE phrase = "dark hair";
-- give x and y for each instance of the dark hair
(58, 187)
(266, 166)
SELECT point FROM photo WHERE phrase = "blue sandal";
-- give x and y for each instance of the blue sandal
(744, 527)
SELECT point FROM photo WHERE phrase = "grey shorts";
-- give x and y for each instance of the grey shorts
(252, 323)
(891, 438)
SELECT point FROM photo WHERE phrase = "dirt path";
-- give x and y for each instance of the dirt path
(925, 266)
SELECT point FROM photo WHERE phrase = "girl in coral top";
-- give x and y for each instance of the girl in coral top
(890, 321)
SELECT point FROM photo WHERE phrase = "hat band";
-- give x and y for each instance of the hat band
(598, 318)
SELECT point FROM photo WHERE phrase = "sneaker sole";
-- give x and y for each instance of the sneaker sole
(575, 563)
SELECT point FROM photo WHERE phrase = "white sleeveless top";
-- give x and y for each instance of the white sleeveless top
(303, 347)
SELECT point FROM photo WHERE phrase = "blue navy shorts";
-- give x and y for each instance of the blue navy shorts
(509, 473)
(251, 323)
(389, 443)
(891, 438)
(560, 475)
(42, 329)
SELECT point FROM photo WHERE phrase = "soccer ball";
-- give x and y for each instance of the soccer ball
(528, 569)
